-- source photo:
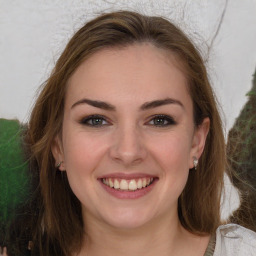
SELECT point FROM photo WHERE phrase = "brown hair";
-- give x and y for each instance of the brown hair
(59, 229)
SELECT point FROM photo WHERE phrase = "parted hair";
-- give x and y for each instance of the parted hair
(58, 228)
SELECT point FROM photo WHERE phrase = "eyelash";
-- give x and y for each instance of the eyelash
(164, 120)
(168, 121)
(86, 120)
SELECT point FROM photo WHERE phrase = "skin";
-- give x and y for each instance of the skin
(3, 251)
(129, 140)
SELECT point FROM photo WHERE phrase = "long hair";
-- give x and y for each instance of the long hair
(58, 229)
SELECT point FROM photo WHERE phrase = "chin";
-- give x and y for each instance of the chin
(126, 219)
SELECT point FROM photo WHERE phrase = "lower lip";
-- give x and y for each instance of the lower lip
(122, 194)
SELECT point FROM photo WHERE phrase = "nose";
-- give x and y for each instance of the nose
(128, 147)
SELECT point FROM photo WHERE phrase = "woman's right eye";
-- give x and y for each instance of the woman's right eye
(94, 121)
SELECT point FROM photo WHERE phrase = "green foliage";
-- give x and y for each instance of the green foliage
(241, 151)
(14, 182)
(242, 139)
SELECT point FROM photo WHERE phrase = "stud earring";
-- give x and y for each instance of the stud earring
(195, 161)
(58, 164)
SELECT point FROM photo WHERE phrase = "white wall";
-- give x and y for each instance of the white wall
(33, 33)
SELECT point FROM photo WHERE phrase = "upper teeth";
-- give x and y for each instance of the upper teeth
(123, 184)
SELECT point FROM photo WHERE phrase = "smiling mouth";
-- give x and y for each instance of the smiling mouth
(127, 185)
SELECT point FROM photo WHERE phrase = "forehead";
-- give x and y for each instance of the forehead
(136, 71)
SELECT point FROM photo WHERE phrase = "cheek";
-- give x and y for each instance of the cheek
(172, 151)
(172, 154)
(83, 151)
(82, 154)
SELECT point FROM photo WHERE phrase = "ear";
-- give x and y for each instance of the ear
(57, 151)
(199, 139)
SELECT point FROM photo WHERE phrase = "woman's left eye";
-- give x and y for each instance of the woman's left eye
(161, 121)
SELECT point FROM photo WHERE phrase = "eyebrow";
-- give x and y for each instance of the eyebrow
(95, 103)
(144, 106)
(158, 103)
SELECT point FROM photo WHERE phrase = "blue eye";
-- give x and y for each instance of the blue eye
(162, 121)
(94, 120)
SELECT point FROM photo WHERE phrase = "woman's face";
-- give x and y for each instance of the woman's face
(128, 138)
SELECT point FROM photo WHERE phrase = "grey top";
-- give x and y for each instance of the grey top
(232, 240)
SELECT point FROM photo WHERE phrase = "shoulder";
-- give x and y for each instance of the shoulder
(235, 240)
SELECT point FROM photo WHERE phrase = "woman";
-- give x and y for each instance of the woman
(128, 145)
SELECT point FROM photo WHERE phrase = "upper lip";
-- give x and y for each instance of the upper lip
(127, 176)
